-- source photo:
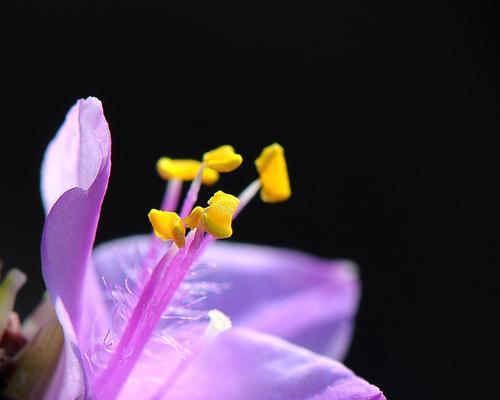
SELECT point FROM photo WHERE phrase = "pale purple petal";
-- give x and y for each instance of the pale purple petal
(242, 364)
(122, 258)
(71, 223)
(78, 153)
(69, 381)
(309, 301)
(158, 366)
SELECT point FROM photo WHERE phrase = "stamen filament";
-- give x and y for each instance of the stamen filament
(248, 194)
(142, 308)
(245, 196)
(192, 194)
(154, 300)
(172, 194)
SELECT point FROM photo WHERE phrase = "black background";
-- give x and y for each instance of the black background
(389, 116)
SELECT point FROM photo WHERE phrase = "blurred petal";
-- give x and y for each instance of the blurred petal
(241, 364)
(68, 235)
(309, 301)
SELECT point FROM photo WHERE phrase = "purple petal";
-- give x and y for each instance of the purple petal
(246, 365)
(69, 379)
(121, 258)
(306, 300)
(84, 144)
(79, 152)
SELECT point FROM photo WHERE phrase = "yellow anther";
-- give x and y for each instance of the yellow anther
(222, 159)
(193, 220)
(271, 166)
(185, 170)
(168, 225)
(218, 215)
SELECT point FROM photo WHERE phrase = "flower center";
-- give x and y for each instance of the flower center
(160, 281)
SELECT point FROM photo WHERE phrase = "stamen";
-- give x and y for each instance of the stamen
(156, 295)
(219, 214)
(222, 159)
(271, 165)
(217, 217)
(244, 198)
(193, 220)
(192, 194)
(168, 225)
(248, 194)
(185, 170)
(271, 161)
(172, 194)
(169, 203)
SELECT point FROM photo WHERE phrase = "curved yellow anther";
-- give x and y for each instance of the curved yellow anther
(168, 225)
(218, 215)
(185, 170)
(222, 159)
(193, 220)
(271, 165)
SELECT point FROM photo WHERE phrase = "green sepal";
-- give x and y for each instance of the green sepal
(35, 365)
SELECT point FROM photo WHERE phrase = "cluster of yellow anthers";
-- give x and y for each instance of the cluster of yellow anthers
(216, 219)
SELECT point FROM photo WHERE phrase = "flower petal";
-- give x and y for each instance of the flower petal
(79, 152)
(70, 226)
(69, 381)
(246, 365)
(309, 301)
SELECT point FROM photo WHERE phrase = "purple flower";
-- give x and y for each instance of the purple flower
(145, 319)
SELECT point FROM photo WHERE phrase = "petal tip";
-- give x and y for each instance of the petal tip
(349, 269)
(79, 151)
